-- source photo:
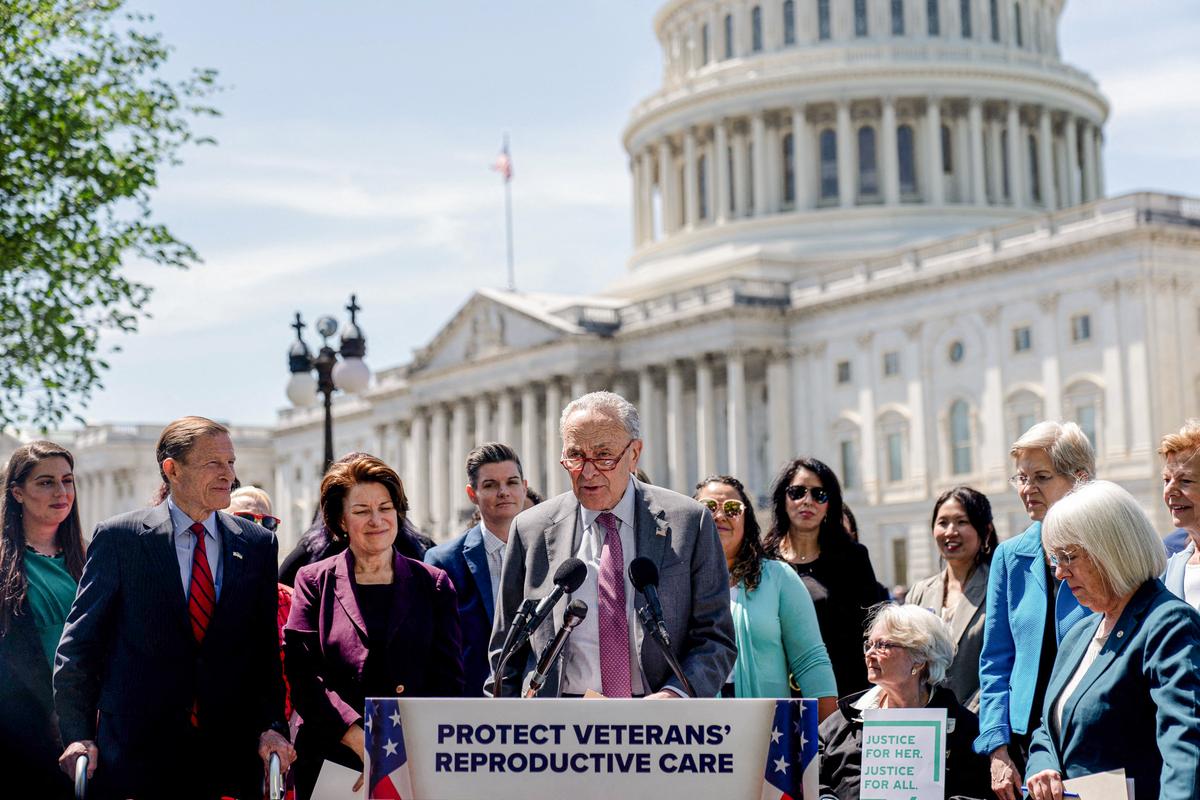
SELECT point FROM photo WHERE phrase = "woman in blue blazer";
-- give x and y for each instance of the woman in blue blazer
(773, 616)
(1125, 691)
(1027, 612)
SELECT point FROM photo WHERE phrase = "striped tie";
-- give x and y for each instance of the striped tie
(202, 596)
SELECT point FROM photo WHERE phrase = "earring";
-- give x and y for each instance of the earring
(915, 670)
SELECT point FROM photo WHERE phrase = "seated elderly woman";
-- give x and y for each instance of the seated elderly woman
(1126, 683)
(367, 622)
(908, 650)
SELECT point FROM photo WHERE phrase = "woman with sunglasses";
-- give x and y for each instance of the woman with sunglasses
(41, 561)
(773, 616)
(808, 534)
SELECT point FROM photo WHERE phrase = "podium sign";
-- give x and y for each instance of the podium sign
(904, 754)
(512, 749)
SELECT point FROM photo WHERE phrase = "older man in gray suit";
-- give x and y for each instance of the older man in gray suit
(608, 519)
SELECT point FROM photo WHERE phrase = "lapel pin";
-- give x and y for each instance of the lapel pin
(236, 554)
(662, 531)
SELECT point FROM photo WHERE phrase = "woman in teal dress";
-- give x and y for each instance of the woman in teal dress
(41, 559)
(778, 638)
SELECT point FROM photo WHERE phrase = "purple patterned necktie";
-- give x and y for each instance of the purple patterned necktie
(615, 680)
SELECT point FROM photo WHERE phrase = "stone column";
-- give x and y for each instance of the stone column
(779, 411)
(1016, 164)
(554, 471)
(720, 172)
(978, 180)
(1099, 146)
(667, 188)
(758, 134)
(677, 477)
(416, 469)
(996, 162)
(891, 159)
(847, 186)
(738, 430)
(456, 475)
(1071, 134)
(530, 447)
(802, 161)
(914, 370)
(1089, 164)
(962, 160)
(993, 457)
(933, 166)
(635, 180)
(865, 369)
(506, 429)
(654, 454)
(814, 394)
(774, 170)
(710, 179)
(1047, 344)
(741, 182)
(483, 420)
(439, 490)
(647, 188)
(691, 197)
(1115, 442)
(1046, 160)
(706, 418)
(579, 387)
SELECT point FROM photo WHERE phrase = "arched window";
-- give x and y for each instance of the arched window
(789, 170)
(860, 18)
(729, 35)
(704, 43)
(1017, 29)
(868, 169)
(1022, 410)
(789, 22)
(702, 184)
(994, 16)
(897, 17)
(907, 160)
(829, 170)
(756, 40)
(893, 438)
(823, 27)
(947, 151)
(964, 13)
(960, 437)
(1082, 401)
(1035, 184)
(933, 17)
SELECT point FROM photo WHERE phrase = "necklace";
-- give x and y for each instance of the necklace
(32, 549)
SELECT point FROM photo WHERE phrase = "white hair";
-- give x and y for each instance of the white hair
(609, 404)
(1105, 520)
(1065, 443)
(254, 494)
(921, 632)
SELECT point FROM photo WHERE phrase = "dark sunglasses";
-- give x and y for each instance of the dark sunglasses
(730, 508)
(796, 493)
(266, 520)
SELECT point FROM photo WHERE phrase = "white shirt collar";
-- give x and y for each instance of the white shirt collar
(183, 522)
(491, 542)
(623, 510)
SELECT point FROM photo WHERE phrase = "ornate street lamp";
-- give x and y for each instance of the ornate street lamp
(350, 373)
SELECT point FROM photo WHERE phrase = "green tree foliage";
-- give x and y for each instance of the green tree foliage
(86, 124)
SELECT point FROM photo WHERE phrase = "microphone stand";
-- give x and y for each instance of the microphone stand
(659, 635)
(520, 622)
(546, 662)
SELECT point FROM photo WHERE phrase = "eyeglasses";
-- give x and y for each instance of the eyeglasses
(1065, 558)
(1039, 480)
(882, 645)
(266, 520)
(602, 463)
(796, 493)
(730, 508)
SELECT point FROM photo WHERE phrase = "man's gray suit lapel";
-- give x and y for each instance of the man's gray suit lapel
(652, 534)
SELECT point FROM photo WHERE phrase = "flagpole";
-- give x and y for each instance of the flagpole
(512, 277)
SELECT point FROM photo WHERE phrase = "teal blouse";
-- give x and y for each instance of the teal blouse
(51, 592)
(777, 633)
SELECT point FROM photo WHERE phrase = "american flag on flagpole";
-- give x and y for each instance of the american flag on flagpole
(388, 777)
(503, 162)
(791, 771)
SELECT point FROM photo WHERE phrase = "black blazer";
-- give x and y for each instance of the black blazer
(29, 743)
(128, 653)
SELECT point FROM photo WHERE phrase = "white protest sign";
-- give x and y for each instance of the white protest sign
(904, 754)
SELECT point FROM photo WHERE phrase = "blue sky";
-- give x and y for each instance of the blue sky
(353, 157)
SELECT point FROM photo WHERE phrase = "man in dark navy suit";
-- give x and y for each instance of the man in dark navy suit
(497, 487)
(168, 675)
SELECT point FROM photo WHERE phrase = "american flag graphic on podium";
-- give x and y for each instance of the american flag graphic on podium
(791, 770)
(387, 762)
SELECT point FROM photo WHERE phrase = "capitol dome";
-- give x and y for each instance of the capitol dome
(789, 133)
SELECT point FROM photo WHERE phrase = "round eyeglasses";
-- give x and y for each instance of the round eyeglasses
(602, 463)
(730, 508)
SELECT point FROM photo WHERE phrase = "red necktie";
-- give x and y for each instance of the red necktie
(202, 595)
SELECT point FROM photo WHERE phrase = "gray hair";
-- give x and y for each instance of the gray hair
(1067, 445)
(1107, 522)
(921, 632)
(609, 404)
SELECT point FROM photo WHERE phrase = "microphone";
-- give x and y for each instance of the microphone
(567, 578)
(574, 615)
(644, 577)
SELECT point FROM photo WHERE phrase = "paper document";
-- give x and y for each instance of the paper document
(1111, 785)
(337, 783)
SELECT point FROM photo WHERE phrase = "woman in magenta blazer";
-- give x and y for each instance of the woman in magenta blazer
(367, 622)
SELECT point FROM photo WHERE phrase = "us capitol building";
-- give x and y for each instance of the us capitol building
(873, 231)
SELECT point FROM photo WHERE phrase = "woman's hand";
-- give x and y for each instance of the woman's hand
(356, 739)
(1006, 780)
(1045, 785)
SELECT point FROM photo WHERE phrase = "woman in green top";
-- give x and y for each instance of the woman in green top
(773, 616)
(41, 559)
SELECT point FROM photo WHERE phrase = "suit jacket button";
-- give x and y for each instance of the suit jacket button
(400, 689)
(1120, 634)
